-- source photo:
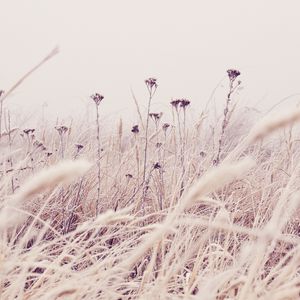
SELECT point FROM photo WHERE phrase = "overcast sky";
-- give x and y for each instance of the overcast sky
(112, 46)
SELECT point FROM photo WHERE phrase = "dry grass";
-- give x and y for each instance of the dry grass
(231, 232)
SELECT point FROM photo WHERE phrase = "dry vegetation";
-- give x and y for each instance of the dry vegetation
(164, 211)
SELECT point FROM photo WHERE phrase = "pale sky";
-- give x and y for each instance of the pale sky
(112, 46)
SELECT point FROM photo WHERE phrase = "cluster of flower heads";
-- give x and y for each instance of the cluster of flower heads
(61, 129)
(180, 103)
(97, 98)
(233, 74)
(135, 129)
(156, 116)
(39, 144)
(28, 131)
(151, 83)
(79, 147)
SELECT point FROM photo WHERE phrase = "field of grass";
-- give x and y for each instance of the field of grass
(161, 211)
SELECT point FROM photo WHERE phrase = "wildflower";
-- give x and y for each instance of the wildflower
(156, 116)
(39, 144)
(79, 147)
(157, 166)
(135, 129)
(175, 103)
(29, 130)
(151, 82)
(165, 126)
(233, 74)
(97, 98)
(202, 154)
(61, 129)
(151, 86)
(184, 103)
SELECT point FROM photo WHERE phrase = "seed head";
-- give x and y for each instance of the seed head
(39, 144)
(29, 130)
(61, 129)
(202, 154)
(78, 147)
(184, 103)
(175, 103)
(157, 166)
(155, 116)
(135, 129)
(97, 98)
(233, 74)
(129, 176)
(151, 82)
(165, 126)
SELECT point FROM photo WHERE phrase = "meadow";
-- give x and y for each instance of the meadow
(160, 211)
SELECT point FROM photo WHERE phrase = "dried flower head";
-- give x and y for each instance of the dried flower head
(157, 166)
(151, 82)
(129, 176)
(78, 147)
(29, 130)
(175, 103)
(156, 116)
(233, 74)
(184, 103)
(97, 98)
(135, 129)
(165, 126)
(49, 154)
(202, 154)
(61, 129)
(39, 144)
